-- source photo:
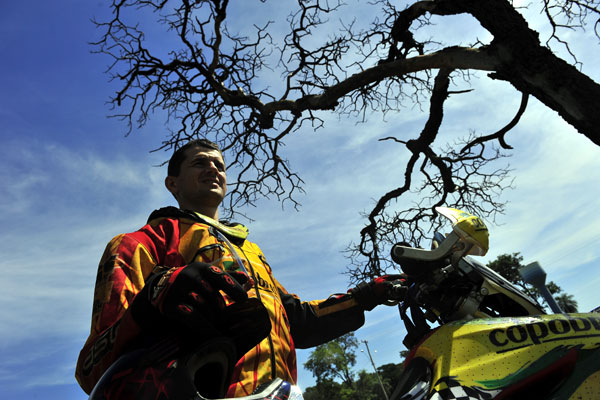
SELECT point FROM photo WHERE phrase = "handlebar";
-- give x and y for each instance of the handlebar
(400, 253)
(416, 261)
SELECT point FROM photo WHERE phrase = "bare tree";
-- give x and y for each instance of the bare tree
(210, 83)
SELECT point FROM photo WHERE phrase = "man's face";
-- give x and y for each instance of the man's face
(201, 182)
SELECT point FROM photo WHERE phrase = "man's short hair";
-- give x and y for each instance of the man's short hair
(179, 155)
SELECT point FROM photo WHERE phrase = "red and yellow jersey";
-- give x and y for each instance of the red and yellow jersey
(174, 238)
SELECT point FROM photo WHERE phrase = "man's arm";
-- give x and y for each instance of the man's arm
(316, 322)
(121, 273)
(319, 321)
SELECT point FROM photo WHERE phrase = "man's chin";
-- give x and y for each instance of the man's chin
(212, 197)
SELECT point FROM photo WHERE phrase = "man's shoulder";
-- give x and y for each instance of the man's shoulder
(162, 225)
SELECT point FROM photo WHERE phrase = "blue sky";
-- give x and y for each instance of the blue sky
(71, 181)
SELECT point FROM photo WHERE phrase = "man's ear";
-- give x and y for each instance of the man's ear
(171, 185)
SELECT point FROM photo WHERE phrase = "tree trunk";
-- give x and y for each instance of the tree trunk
(534, 69)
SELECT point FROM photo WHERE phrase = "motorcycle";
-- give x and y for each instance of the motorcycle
(492, 340)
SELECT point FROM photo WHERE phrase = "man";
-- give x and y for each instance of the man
(184, 270)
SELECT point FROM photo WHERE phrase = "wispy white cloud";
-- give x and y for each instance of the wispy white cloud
(65, 204)
(56, 231)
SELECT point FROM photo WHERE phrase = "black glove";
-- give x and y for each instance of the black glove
(190, 294)
(380, 290)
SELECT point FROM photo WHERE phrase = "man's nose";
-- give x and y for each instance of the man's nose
(212, 166)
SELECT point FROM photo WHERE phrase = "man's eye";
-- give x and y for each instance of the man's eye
(203, 163)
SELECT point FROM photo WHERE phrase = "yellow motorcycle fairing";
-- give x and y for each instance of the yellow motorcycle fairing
(559, 354)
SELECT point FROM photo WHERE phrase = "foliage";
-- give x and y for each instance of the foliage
(508, 266)
(390, 375)
(326, 389)
(391, 372)
(334, 359)
(566, 302)
(366, 386)
(211, 82)
(326, 363)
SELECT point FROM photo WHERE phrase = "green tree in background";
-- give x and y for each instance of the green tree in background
(508, 266)
(566, 302)
(334, 361)
(326, 389)
(367, 387)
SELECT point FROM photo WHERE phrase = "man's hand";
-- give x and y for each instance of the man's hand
(380, 290)
(190, 294)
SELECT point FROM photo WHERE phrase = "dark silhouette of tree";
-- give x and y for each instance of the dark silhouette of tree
(210, 84)
(508, 266)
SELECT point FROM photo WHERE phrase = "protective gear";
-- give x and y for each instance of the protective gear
(176, 238)
(190, 294)
(380, 290)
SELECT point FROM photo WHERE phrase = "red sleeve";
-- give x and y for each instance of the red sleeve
(127, 261)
